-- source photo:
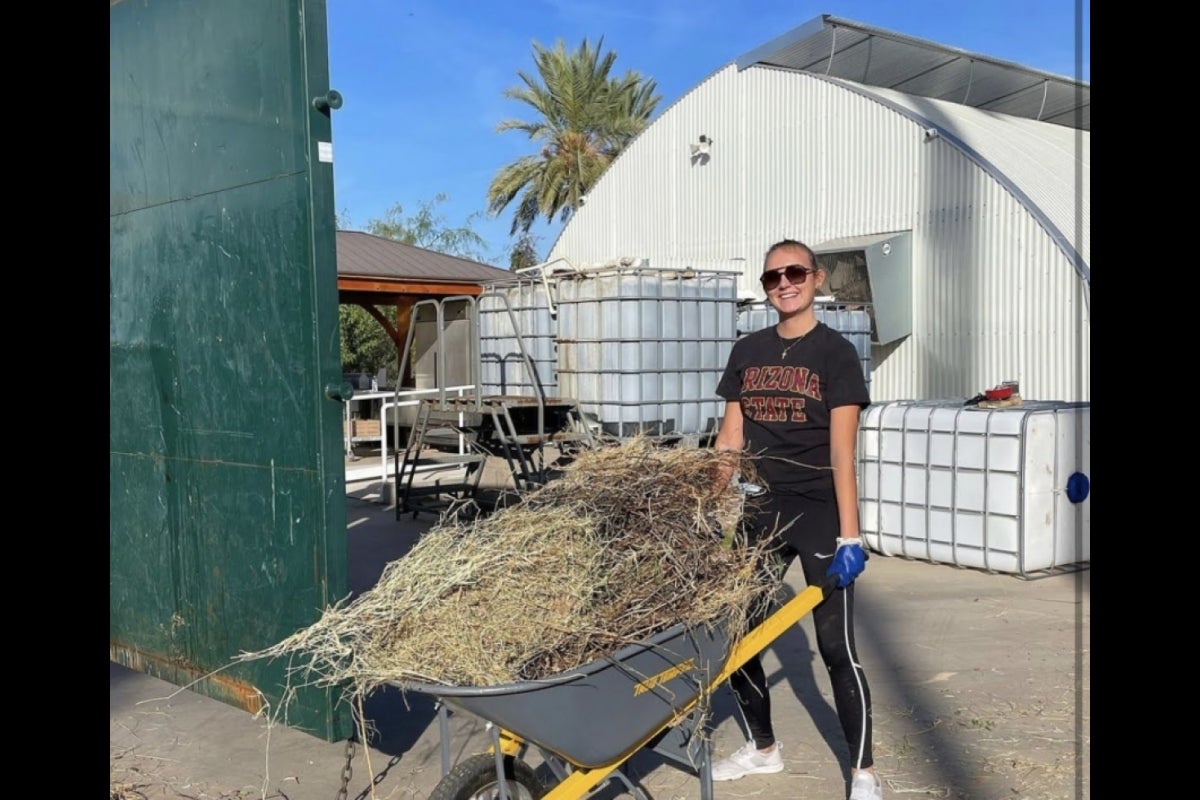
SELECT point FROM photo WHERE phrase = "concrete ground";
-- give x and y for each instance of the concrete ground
(980, 684)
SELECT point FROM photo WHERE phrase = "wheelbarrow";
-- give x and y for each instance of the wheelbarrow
(589, 721)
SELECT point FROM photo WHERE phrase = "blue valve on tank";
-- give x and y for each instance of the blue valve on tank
(1078, 487)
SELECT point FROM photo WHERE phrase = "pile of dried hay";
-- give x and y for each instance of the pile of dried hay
(627, 543)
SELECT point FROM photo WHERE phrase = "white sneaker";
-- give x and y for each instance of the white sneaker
(865, 786)
(747, 760)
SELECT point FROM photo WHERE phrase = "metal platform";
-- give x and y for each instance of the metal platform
(518, 428)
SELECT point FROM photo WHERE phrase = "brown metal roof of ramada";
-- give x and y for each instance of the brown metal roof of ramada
(366, 255)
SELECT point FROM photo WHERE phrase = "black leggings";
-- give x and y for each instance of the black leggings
(833, 620)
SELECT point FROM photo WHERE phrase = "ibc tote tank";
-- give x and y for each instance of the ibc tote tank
(643, 349)
(502, 369)
(1001, 489)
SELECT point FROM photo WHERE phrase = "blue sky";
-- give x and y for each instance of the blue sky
(423, 80)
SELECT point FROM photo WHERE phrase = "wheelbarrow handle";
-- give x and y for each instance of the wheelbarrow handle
(759, 638)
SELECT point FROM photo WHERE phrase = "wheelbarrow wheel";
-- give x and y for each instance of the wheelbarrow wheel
(475, 779)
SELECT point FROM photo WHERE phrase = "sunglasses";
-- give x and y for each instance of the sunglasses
(796, 275)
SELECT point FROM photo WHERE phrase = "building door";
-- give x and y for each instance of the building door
(227, 518)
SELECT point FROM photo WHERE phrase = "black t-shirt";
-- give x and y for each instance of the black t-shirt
(786, 399)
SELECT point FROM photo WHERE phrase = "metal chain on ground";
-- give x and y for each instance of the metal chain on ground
(347, 770)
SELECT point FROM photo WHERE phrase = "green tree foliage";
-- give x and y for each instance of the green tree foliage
(366, 347)
(428, 230)
(524, 252)
(584, 118)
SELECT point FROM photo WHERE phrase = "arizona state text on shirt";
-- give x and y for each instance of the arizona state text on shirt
(794, 383)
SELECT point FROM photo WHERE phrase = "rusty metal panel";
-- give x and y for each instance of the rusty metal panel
(227, 520)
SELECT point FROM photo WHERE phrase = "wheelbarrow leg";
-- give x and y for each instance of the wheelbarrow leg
(560, 770)
(498, 752)
(687, 744)
(704, 765)
(558, 767)
(444, 733)
(633, 790)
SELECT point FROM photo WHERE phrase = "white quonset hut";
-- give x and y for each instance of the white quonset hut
(947, 190)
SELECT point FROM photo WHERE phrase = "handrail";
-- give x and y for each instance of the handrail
(534, 379)
(439, 306)
(414, 393)
(408, 340)
(541, 272)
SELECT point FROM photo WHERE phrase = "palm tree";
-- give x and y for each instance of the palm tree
(585, 119)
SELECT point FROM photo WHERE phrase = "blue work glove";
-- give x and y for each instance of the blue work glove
(848, 561)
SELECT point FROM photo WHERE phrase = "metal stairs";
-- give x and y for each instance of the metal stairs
(518, 428)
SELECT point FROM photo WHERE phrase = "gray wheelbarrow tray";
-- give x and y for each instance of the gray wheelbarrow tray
(595, 717)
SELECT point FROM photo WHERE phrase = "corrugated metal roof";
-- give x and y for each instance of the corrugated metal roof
(366, 255)
(1047, 167)
(841, 48)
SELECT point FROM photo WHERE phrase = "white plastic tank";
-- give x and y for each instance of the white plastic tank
(642, 349)
(853, 322)
(999, 489)
(502, 367)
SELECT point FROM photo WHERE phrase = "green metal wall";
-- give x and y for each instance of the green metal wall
(227, 517)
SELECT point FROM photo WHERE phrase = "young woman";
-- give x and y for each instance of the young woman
(793, 395)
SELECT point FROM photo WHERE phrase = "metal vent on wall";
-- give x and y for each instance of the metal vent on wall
(874, 271)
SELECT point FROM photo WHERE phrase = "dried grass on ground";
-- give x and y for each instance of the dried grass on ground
(627, 543)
